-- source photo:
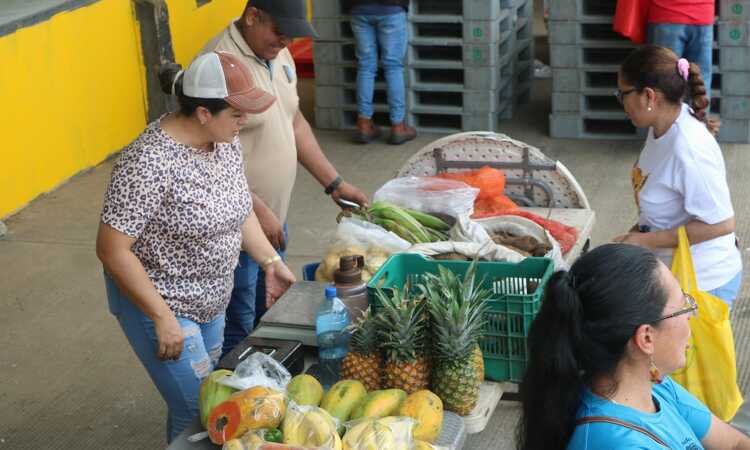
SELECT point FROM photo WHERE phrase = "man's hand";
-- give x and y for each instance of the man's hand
(278, 280)
(350, 192)
(271, 225)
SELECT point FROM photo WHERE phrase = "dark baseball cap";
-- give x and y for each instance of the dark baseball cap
(290, 16)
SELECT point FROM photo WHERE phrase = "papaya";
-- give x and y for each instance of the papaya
(212, 393)
(378, 404)
(305, 389)
(341, 399)
(426, 409)
(251, 409)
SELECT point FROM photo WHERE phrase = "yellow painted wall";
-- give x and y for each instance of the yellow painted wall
(73, 89)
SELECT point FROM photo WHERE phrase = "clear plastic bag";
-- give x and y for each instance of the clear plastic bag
(357, 237)
(251, 409)
(430, 195)
(310, 427)
(387, 433)
(258, 369)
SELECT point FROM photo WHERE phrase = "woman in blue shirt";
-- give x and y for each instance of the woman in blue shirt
(608, 333)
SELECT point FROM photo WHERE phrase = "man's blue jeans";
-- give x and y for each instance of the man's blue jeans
(692, 42)
(389, 32)
(178, 381)
(248, 303)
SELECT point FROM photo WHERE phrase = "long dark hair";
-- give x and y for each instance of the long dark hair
(586, 319)
(656, 68)
(167, 75)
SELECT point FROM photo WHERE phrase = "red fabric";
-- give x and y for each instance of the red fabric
(302, 52)
(631, 18)
(684, 12)
(564, 234)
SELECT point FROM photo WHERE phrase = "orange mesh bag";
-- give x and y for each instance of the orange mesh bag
(491, 200)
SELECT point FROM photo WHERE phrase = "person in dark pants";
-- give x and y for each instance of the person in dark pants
(380, 25)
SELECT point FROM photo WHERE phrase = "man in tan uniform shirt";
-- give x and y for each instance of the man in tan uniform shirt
(274, 141)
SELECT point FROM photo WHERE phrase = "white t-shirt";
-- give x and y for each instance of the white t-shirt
(680, 177)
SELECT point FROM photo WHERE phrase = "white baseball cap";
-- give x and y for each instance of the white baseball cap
(221, 75)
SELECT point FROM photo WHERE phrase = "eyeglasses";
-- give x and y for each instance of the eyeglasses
(621, 94)
(691, 307)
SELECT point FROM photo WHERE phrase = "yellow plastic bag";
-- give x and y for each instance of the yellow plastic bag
(710, 372)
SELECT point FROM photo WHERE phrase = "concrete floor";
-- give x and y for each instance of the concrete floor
(69, 378)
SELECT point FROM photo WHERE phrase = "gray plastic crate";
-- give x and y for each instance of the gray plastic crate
(738, 83)
(458, 100)
(591, 56)
(583, 10)
(574, 32)
(431, 121)
(328, 9)
(734, 59)
(333, 29)
(427, 77)
(736, 131)
(604, 126)
(449, 54)
(467, 9)
(733, 33)
(574, 102)
(337, 97)
(734, 9)
(735, 107)
(327, 52)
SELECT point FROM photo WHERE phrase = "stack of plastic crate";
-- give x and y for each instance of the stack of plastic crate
(469, 62)
(733, 32)
(586, 54)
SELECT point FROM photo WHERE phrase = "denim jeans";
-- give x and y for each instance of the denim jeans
(388, 32)
(692, 42)
(730, 290)
(178, 381)
(248, 302)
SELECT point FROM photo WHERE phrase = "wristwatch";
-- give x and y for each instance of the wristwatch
(334, 185)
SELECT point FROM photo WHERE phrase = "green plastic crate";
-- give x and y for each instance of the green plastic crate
(518, 289)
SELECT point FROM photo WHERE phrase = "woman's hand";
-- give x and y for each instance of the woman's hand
(278, 280)
(634, 238)
(169, 333)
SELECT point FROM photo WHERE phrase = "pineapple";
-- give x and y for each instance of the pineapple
(402, 325)
(364, 361)
(457, 309)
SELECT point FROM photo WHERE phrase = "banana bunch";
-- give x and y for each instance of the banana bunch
(413, 226)
(310, 427)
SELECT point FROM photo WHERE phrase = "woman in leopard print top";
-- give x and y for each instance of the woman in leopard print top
(175, 215)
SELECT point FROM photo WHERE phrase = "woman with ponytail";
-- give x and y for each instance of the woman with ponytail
(680, 176)
(175, 215)
(607, 336)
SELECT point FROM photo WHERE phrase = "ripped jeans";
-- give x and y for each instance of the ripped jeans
(178, 381)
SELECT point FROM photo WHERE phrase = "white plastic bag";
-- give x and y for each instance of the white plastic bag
(487, 251)
(430, 195)
(520, 226)
(258, 369)
(357, 237)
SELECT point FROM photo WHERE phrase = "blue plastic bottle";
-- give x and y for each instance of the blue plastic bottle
(333, 337)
